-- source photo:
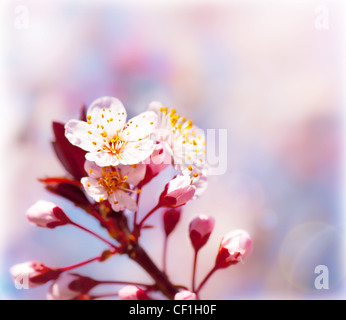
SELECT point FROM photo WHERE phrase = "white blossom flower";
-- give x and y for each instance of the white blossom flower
(108, 139)
(113, 184)
(185, 141)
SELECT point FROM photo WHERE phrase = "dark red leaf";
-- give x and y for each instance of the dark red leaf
(68, 190)
(71, 157)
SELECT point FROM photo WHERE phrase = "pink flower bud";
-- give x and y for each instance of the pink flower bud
(234, 247)
(32, 273)
(170, 219)
(185, 295)
(159, 160)
(177, 192)
(46, 214)
(71, 287)
(132, 293)
(200, 230)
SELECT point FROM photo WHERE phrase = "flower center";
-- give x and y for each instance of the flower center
(111, 179)
(115, 145)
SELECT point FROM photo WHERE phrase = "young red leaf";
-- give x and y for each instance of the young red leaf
(70, 156)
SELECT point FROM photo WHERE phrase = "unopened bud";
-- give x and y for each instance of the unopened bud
(46, 214)
(132, 293)
(177, 192)
(234, 247)
(32, 274)
(185, 295)
(200, 230)
(71, 287)
(170, 219)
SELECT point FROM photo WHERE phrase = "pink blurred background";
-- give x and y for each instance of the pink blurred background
(266, 71)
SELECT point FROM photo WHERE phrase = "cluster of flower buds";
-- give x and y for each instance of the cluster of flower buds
(108, 161)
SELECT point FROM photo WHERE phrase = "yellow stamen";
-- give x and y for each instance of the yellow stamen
(189, 124)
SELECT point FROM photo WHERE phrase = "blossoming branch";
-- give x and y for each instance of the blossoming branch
(108, 161)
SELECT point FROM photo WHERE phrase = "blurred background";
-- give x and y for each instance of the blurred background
(270, 72)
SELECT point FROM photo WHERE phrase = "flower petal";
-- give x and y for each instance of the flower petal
(93, 170)
(109, 113)
(141, 126)
(120, 200)
(134, 173)
(77, 133)
(102, 158)
(134, 152)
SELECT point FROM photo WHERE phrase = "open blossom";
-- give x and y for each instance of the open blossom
(114, 184)
(107, 137)
(185, 295)
(70, 287)
(234, 247)
(132, 293)
(33, 273)
(185, 141)
(46, 214)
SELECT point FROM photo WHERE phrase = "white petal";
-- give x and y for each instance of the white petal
(140, 126)
(134, 152)
(93, 170)
(155, 106)
(93, 189)
(108, 112)
(120, 200)
(102, 158)
(201, 185)
(135, 175)
(178, 183)
(77, 133)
